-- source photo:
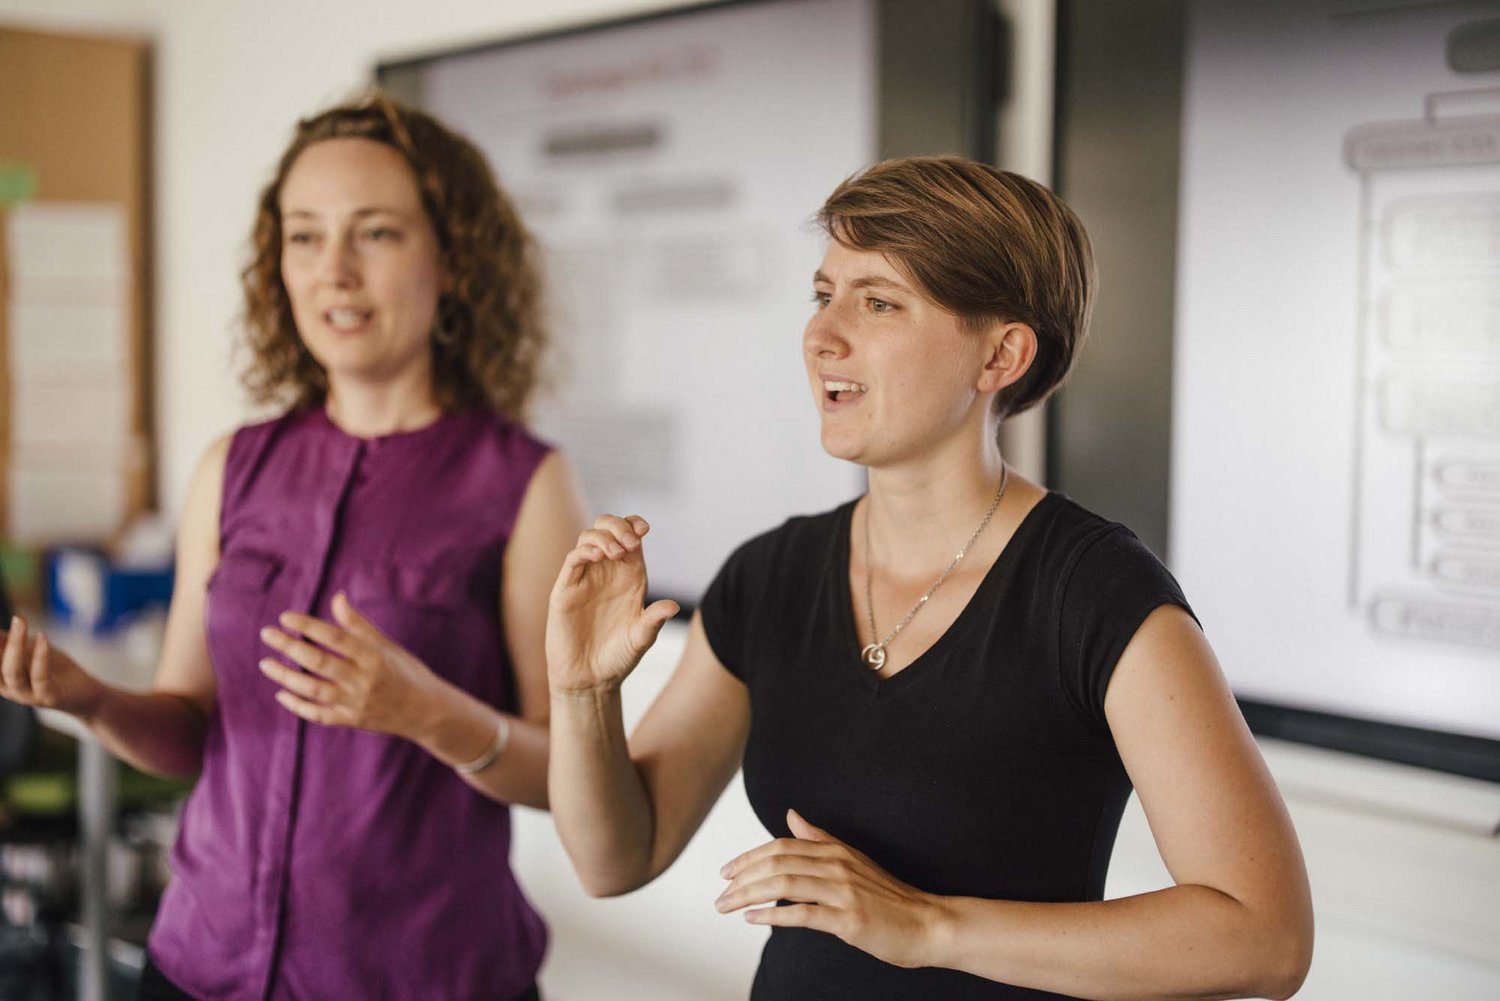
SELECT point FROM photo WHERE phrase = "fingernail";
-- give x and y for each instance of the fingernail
(719, 904)
(267, 633)
(265, 664)
(726, 869)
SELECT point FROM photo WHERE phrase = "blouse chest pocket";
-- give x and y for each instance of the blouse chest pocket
(238, 594)
(432, 587)
(245, 571)
(425, 607)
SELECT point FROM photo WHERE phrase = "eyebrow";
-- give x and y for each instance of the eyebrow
(864, 281)
(360, 213)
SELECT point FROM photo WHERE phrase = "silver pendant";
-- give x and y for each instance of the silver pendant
(873, 656)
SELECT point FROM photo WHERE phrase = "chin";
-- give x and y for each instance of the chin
(844, 449)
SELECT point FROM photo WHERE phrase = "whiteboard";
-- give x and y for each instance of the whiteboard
(669, 169)
(1336, 426)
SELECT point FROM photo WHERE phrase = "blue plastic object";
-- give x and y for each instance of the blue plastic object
(87, 592)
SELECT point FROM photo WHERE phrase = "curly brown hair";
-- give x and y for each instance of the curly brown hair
(489, 335)
(984, 244)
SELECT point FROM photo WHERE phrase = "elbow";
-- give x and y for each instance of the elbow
(1289, 968)
(600, 886)
(613, 877)
(1286, 959)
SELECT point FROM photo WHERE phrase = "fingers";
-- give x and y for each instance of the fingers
(314, 696)
(307, 686)
(615, 536)
(626, 531)
(301, 652)
(781, 846)
(611, 538)
(795, 888)
(41, 673)
(813, 916)
(785, 877)
(13, 671)
(324, 634)
(606, 542)
(310, 711)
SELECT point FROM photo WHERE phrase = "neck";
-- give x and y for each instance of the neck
(368, 410)
(920, 513)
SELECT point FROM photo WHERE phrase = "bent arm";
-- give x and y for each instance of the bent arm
(162, 730)
(626, 809)
(1237, 922)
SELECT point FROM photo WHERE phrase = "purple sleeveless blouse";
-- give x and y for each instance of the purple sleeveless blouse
(328, 863)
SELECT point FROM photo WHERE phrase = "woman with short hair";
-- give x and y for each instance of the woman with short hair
(941, 692)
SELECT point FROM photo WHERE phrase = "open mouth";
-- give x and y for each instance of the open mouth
(346, 318)
(838, 391)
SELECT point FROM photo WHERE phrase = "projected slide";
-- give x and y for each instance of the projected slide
(1336, 453)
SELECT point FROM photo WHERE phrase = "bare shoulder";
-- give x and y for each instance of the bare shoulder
(554, 478)
(199, 526)
(553, 505)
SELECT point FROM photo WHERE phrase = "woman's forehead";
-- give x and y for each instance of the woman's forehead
(349, 174)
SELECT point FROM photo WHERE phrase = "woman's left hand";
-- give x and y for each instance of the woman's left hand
(833, 888)
(356, 675)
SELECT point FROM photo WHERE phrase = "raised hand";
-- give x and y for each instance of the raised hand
(34, 673)
(597, 626)
(833, 888)
(355, 675)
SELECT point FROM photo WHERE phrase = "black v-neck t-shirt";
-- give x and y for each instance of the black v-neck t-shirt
(985, 768)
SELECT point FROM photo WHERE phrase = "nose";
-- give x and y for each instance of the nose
(823, 337)
(338, 265)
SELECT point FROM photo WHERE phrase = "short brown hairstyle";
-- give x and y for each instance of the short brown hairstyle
(489, 334)
(984, 244)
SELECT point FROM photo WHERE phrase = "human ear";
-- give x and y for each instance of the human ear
(1011, 350)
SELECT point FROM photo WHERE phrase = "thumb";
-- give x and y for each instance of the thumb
(804, 831)
(652, 618)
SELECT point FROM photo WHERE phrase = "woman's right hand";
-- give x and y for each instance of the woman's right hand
(597, 627)
(34, 674)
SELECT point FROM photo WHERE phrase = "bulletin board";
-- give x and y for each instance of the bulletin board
(75, 452)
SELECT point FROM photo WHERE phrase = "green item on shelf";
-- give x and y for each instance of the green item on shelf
(42, 794)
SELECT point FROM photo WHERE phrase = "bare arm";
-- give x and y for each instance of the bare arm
(161, 730)
(625, 810)
(1237, 922)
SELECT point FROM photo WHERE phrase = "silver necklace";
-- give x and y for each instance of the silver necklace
(874, 654)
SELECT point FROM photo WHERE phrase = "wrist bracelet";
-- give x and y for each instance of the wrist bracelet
(479, 764)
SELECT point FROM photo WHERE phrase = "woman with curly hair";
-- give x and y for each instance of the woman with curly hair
(353, 664)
